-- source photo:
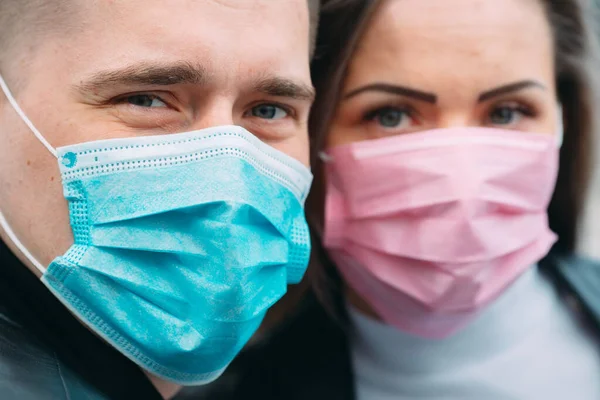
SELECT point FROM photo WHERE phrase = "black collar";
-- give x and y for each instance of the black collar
(27, 302)
(578, 278)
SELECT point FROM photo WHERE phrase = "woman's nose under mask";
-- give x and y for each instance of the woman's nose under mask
(431, 227)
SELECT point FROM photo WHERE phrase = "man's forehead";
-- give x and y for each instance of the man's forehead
(236, 15)
(263, 35)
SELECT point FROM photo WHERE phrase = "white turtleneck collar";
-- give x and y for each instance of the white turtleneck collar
(526, 346)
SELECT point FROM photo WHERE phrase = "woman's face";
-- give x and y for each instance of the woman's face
(427, 64)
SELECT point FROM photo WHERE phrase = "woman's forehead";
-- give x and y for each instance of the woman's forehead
(457, 13)
(428, 42)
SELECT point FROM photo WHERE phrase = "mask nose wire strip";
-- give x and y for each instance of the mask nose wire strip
(29, 124)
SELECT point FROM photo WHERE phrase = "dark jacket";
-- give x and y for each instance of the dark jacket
(47, 354)
(309, 358)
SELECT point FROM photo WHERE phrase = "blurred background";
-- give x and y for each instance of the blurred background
(590, 235)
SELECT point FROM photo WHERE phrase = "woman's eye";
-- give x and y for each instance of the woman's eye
(390, 117)
(144, 100)
(507, 115)
(268, 111)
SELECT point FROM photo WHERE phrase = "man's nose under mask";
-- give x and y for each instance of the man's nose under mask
(181, 243)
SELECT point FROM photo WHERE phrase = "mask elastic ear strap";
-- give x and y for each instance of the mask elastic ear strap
(3, 222)
(23, 117)
(561, 127)
(326, 158)
(15, 240)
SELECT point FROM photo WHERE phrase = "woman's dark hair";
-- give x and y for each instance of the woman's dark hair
(342, 24)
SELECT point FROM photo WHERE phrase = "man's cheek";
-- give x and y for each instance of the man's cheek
(296, 147)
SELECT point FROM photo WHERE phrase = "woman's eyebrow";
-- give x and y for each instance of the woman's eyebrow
(394, 89)
(508, 88)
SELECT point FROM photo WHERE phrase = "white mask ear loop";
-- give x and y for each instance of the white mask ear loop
(15, 240)
(23, 117)
(3, 222)
(560, 133)
(326, 158)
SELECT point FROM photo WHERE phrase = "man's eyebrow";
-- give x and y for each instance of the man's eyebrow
(511, 87)
(284, 87)
(145, 74)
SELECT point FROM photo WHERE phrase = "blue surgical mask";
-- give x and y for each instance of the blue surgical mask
(182, 243)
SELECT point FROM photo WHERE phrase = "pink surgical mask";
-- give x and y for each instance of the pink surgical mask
(431, 227)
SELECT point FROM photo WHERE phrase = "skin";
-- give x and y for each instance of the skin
(237, 45)
(463, 53)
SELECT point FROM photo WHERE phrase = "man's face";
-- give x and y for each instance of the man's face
(138, 68)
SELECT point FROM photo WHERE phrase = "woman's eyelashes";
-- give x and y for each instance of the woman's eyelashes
(392, 118)
(509, 114)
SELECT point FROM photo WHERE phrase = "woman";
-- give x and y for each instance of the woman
(448, 228)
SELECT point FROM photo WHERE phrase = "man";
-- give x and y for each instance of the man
(144, 235)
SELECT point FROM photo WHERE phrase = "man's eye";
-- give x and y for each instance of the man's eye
(144, 100)
(268, 111)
